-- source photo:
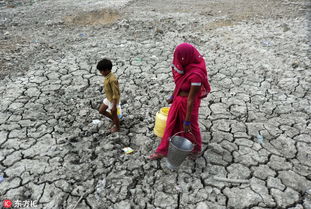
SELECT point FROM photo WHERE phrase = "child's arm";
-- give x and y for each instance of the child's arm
(114, 105)
(115, 94)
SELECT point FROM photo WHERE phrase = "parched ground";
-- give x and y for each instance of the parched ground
(53, 153)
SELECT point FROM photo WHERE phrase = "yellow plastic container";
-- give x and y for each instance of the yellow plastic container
(160, 121)
(119, 111)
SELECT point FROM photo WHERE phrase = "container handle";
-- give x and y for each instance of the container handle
(183, 132)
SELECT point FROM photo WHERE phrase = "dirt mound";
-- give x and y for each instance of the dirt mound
(97, 17)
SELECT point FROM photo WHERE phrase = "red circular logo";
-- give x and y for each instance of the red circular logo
(7, 203)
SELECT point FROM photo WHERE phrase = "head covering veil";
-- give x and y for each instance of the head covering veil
(186, 61)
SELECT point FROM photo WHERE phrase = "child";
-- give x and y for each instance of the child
(112, 91)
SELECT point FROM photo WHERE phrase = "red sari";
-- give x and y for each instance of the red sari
(188, 69)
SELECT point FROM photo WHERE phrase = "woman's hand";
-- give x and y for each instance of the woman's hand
(187, 126)
(169, 100)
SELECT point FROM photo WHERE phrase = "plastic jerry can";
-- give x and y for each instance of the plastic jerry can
(160, 121)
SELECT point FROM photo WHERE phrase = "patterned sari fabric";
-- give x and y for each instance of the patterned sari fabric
(188, 66)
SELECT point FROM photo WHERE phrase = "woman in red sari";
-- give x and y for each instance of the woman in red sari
(191, 85)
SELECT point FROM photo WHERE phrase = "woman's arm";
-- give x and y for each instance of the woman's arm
(194, 90)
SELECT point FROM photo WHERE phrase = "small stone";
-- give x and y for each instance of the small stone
(285, 27)
(159, 31)
(295, 64)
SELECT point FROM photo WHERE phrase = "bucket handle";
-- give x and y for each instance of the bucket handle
(183, 132)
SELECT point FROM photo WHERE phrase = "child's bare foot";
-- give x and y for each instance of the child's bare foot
(114, 129)
(111, 125)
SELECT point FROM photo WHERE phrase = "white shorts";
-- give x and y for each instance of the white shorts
(109, 104)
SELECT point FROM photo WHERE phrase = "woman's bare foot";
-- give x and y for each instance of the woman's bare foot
(155, 156)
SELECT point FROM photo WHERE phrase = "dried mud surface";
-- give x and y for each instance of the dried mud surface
(53, 151)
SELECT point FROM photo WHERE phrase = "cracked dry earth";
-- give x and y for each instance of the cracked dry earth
(52, 152)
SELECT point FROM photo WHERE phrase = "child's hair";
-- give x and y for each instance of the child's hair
(104, 64)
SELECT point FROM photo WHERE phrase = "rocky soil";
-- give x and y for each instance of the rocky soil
(53, 151)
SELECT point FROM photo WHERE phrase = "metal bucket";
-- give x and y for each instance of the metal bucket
(179, 149)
